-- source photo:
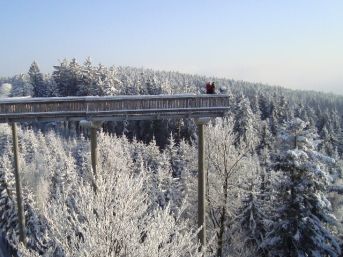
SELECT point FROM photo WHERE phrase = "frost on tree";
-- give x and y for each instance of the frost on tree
(226, 165)
(302, 216)
(38, 234)
(121, 219)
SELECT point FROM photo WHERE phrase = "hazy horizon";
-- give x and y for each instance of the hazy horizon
(293, 44)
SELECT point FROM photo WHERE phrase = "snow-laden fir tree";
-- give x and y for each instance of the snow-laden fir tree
(67, 77)
(302, 215)
(9, 219)
(87, 80)
(5, 89)
(37, 81)
(245, 123)
(266, 137)
(335, 196)
(21, 86)
(251, 221)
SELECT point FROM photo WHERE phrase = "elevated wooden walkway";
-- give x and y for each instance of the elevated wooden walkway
(95, 108)
(143, 107)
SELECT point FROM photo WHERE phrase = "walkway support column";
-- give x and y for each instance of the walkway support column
(201, 180)
(94, 146)
(93, 126)
(20, 208)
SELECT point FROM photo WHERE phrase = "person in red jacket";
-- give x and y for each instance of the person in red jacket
(210, 88)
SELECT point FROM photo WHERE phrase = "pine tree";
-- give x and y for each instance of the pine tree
(250, 226)
(153, 87)
(37, 81)
(266, 137)
(87, 84)
(245, 123)
(21, 86)
(302, 218)
(251, 221)
(264, 104)
(108, 83)
(8, 212)
(67, 77)
(5, 89)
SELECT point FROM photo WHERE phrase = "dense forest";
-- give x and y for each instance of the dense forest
(274, 171)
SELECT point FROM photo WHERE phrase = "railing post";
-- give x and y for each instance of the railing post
(201, 181)
(20, 208)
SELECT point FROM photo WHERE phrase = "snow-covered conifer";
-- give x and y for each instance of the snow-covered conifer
(5, 89)
(37, 81)
(251, 221)
(21, 86)
(302, 217)
(245, 123)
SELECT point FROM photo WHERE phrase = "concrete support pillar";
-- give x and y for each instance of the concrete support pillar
(201, 180)
(20, 208)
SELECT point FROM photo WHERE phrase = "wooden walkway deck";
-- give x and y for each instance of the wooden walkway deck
(94, 108)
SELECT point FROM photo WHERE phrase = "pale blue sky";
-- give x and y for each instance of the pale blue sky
(296, 44)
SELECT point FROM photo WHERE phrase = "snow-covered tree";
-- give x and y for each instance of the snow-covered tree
(5, 90)
(266, 137)
(8, 212)
(226, 165)
(21, 86)
(250, 227)
(245, 123)
(67, 77)
(251, 221)
(38, 234)
(302, 216)
(108, 82)
(120, 219)
(37, 81)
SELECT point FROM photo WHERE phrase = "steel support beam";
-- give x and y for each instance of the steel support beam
(20, 208)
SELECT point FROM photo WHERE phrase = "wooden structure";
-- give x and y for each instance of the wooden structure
(112, 107)
(95, 109)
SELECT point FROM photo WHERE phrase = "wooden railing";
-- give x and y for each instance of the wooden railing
(112, 107)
